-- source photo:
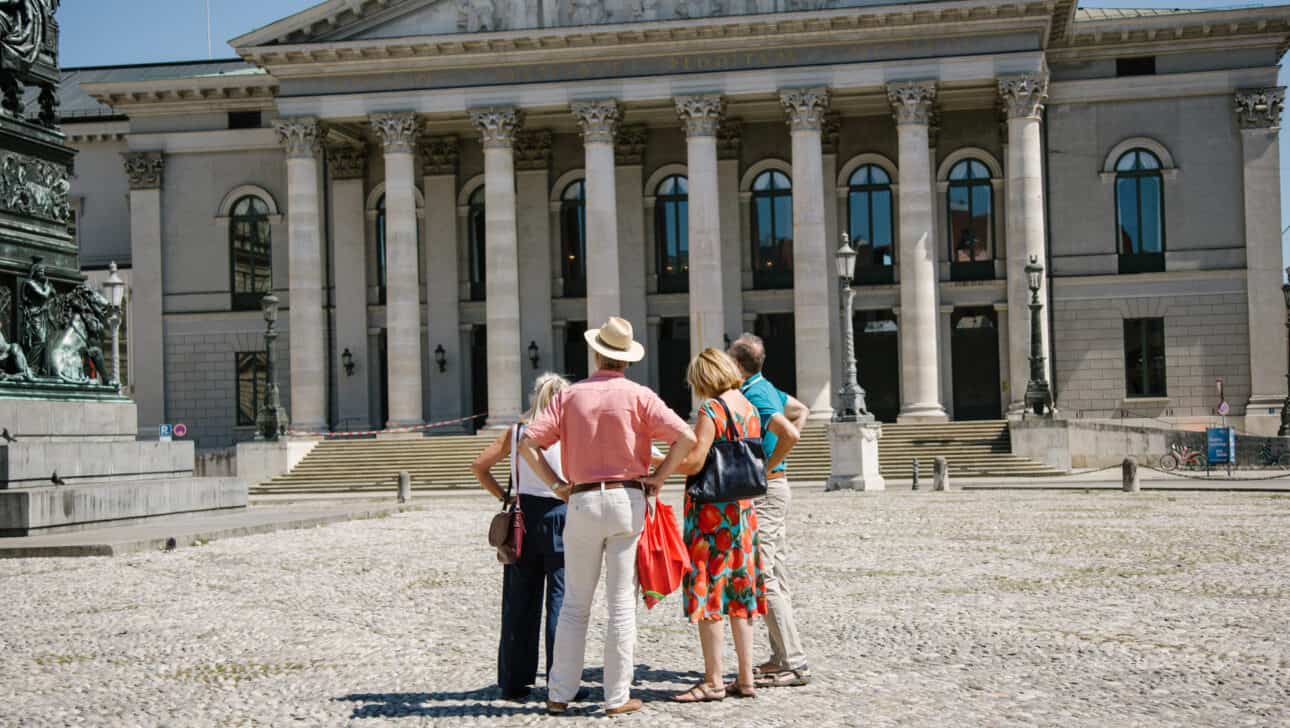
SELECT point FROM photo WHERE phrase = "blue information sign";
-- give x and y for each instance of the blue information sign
(1220, 445)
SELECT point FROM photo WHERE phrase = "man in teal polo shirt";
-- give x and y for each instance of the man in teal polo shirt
(782, 418)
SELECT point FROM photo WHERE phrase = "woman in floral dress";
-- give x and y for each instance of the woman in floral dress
(726, 578)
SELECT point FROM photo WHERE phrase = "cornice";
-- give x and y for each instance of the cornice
(160, 96)
(1194, 30)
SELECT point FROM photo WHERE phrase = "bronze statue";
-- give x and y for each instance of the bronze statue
(74, 354)
(34, 303)
(13, 363)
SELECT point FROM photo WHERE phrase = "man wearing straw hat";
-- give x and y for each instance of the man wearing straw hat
(605, 425)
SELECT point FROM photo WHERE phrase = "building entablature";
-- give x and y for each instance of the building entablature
(1109, 33)
(252, 90)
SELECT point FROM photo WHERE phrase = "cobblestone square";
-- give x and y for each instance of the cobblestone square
(986, 608)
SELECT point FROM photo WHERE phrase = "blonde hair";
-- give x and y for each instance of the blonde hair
(713, 373)
(545, 389)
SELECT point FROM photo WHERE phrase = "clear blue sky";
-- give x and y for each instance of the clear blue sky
(110, 32)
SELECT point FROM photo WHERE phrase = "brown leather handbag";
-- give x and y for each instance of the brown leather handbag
(506, 530)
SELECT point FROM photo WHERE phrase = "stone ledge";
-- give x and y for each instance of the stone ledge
(32, 463)
(52, 509)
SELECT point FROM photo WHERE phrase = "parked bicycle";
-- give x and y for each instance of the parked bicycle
(1274, 457)
(1183, 456)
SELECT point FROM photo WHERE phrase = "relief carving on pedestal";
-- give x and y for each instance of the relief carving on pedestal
(30, 186)
(1260, 108)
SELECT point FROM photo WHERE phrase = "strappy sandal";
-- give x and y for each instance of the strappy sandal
(734, 689)
(783, 678)
(701, 693)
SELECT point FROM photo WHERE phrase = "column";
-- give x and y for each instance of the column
(729, 139)
(497, 128)
(654, 326)
(347, 168)
(599, 123)
(443, 315)
(945, 329)
(399, 133)
(1259, 115)
(629, 182)
(559, 334)
(1005, 359)
(701, 117)
(920, 383)
(147, 323)
(532, 189)
(812, 255)
(306, 333)
(1023, 103)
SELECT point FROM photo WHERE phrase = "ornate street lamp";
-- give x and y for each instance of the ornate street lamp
(347, 361)
(851, 404)
(441, 358)
(1037, 394)
(1284, 431)
(114, 292)
(535, 357)
(271, 422)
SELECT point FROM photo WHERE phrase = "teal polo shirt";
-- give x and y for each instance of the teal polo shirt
(769, 402)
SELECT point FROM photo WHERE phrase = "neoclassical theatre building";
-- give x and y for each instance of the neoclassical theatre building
(445, 193)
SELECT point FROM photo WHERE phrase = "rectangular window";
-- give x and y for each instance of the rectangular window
(252, 382)
(244, 120)
(1144, 357)
(1138, 66)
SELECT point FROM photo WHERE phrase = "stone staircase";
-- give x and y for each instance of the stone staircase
(370, 465)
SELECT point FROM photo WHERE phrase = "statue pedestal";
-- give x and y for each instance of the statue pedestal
(853, 447)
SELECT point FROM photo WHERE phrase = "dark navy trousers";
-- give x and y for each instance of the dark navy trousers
(540, 568)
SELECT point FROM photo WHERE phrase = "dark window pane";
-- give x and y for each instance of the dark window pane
(1137, 66)
(860, 223)
(1126, 193)
(250, 252)
(1155, 347)
(244, 120)
(1144, 357)
(252, 378)
(882, 228)
(1149, 194)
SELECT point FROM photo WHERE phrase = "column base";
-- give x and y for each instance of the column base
(500, 423)
(919, 414)
(1263, 414)
(821, 415)
(853, 449)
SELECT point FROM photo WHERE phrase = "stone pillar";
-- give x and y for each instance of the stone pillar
(654, 326)
(1006, 382)
(307, 337)
(920, 383)
(701, 116)
(498, 127)
(347, 168)
(729, 138)
(1023, 103)
(629, 154)
(399, 134)
(532, 185)
(812, 255)
(443, 315)
(1259, 115)
(559, 333)
(145, 171)
(599, 123)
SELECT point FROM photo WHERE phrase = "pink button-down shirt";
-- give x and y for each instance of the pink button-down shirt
(605, 425)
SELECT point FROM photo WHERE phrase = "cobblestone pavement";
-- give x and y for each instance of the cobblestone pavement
(958, 609)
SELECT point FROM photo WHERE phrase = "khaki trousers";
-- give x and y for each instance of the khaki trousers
(772, 514)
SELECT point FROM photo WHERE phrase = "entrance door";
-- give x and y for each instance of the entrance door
(673, 358)
(383, 353)
(777, 333)
(878, 362)
(575, 351)
(974, 347)
(479, 373)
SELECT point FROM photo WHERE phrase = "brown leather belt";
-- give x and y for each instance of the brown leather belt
(607, 485)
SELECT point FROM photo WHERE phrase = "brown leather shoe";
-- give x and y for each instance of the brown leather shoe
(631, 706)
(554, 708)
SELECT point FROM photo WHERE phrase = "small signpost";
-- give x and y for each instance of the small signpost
(181, 430)
(1220, 446)
(166, 433)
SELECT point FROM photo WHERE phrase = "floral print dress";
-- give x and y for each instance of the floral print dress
(726, 576)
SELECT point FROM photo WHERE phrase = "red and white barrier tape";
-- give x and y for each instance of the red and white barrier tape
(388, 431)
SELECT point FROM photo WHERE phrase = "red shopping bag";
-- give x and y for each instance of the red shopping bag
(661, 556)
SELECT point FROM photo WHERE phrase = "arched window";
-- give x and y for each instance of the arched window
(772, 226)
(475, 229)
(870, 215)
(970, 213)
(381, 219)
(573, 239)
(672, 234)
(251, 246)
(1139, 212)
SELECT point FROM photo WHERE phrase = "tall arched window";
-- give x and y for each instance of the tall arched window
(251, 247)
(1139, 212)
(381, 219)
(672, 234)
(772, 226)
(573, 239)
(870, 215)
(475, 228)
(970, 212)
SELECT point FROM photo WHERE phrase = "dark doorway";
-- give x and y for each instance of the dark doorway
(777, 332)
(974, 347)
(673, 358)
(383, 353)
(575, 351)
(878, 361)
(479, 374)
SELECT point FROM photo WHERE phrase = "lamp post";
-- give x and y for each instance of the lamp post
(271, 422)
(347, 361)
(1037, 394)
(114, 292)
(851, 405)
(1284, 430)
(441, 358)
(535, 357)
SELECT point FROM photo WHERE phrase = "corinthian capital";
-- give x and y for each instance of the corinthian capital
(1024, 95)
(398, 132)
(806, 107)
(144, 169)
(598, 120)
(630, 146)
(301, 136)
(1260, 108)
(497, 126)
(533, 149)
(439, 155)
(347, 161)
(701, 115)
(912, 102)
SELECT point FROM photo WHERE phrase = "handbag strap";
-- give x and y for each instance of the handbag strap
(514, 476)
(730, 419)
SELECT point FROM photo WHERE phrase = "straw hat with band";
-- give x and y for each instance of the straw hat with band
(614, 341)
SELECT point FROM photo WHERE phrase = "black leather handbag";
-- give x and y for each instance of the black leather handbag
(735, 468)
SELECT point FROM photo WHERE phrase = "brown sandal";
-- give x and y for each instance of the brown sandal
(734, 689)
(701, 693)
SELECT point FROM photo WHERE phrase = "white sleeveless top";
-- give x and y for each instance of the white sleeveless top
(523, 476)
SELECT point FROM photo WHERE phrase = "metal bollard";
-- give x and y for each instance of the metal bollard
(940, 474)
(405, 487)
(915, 473)
(1129, 473)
